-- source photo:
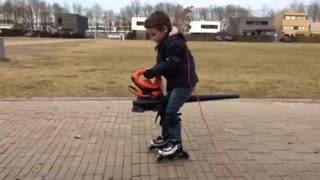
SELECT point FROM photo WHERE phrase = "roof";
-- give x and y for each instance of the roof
(296, 13)
(6, 26)
(241, 19)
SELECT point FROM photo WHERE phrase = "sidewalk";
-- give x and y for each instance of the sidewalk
(258, 139)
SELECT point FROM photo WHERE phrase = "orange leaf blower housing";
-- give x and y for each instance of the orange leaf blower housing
(146, 88)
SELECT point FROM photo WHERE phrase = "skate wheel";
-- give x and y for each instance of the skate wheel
(159, 158)
(170, 158)
(185, 155)
(151, 148)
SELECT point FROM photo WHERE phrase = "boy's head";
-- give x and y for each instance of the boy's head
(158, 26)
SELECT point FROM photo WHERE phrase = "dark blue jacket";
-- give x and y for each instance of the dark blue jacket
(172, 63)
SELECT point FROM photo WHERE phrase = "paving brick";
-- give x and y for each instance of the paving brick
(222, 171)
(108, 172)
(98, 177)
(281, 146)
(163, 172)
(288, 155)
(76, 162)
(87, 177)
(239, 155)
(262, 176)
(249, 166)
(153, 170)
(172, 172)
(126, 173)
(71, 173)
(144, 169)
(197, 166)
(117, 173)
(309, 175)
(202, 176)
(258, 148)
(91, 169)
(277, 170)
(136, 170)
(218, 159)
(313, 158)
(266, 159)
(211, 176)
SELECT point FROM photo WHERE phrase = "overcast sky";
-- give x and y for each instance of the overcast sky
(115, 5)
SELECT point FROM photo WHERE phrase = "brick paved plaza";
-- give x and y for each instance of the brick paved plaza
(259, 139)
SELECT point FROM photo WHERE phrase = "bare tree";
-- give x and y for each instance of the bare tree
(219, 12)
(172, 9)
(271, 13)
(89, 14)
(44, 14)
(77, 8)
(107, 18)
(57, 8)
(8, 12)
(136, 7)
(264, 10)
(297, 6)
(35, 8)
(147, 9)
(204, 13)
(66, 8)
(126, 14)
(183, 17)
(314, 10)
(160, 7)
(97, 15)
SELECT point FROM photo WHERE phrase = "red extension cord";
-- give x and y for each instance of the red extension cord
(210, 132)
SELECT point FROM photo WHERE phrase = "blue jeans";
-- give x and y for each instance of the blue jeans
(176, 99)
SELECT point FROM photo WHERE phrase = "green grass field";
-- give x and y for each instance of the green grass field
(103, 69)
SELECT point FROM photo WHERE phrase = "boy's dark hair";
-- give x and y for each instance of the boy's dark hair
(157, 20)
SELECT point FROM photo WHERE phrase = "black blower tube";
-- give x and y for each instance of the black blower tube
(142, 105)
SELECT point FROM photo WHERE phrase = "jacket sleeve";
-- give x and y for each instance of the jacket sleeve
(174, 54)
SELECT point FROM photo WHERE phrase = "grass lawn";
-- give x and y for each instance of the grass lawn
(103, 69)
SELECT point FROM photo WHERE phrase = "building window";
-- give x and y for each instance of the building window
(290, 17)
(209, 27)
(301, 17)
(249, 22)
(264, 22)
(59, 21)
(140, 23)
(302, 28)
(287, 27)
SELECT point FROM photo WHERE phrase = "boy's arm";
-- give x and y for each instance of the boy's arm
(174, 54)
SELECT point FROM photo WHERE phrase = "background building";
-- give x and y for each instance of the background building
(256, 26)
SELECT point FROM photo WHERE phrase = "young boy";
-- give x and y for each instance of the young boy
(176, 64)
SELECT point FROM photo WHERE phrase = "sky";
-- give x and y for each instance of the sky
(115, 5)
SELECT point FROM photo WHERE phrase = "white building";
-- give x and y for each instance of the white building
(205, 27)
(137, 23)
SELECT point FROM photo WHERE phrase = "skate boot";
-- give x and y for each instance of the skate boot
(172, 150)
(158, 143)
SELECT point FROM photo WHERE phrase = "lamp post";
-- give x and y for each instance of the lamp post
(277, 23)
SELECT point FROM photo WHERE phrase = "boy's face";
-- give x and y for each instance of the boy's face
(157, 35)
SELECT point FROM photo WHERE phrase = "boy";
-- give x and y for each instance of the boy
(176, 64)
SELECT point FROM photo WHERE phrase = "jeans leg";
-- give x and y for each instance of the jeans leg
(176, 100)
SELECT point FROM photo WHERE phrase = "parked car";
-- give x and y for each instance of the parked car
(229, 38)
(29, 34)
(219, 38)
(116, 36)
(287, 39)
